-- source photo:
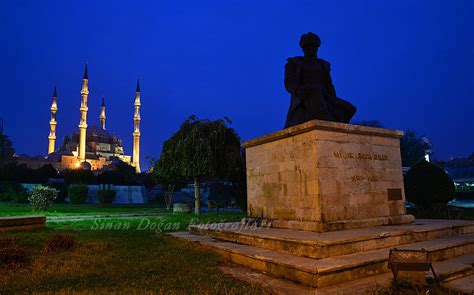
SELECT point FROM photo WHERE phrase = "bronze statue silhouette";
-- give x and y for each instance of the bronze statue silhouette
(313, 96)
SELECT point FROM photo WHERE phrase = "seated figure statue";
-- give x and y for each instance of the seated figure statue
(308, 80)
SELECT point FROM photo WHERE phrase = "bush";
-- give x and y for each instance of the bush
(77, 193)
(42, 197)
(12, 191)
(59, 242)
(107, 196)
(427, 184)
(11, 251)
(62, 188)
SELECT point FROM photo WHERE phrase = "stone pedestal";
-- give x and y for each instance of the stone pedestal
(324, 176)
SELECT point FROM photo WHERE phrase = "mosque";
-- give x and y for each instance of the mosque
(91, 147)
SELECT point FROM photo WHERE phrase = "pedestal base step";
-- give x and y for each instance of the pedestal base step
(328, 271)
(330, 244)
(332, 225)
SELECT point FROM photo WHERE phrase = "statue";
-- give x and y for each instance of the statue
(313, 96)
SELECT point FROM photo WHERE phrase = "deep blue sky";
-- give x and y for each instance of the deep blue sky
(406, 63)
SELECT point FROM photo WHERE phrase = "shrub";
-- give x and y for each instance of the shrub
(11, 251)
(12, 191)
(21, 196)
(107, 196)
(427, 184)
(59, 242)
(42, 197)
(62, 188)
(77, 193)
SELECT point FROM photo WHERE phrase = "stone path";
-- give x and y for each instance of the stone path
(103, 216)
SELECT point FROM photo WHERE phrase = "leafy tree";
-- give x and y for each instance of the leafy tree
(413, 148)
(427, 184)
(6, 150)
(47, 171)
(78, 176)
(198, 149)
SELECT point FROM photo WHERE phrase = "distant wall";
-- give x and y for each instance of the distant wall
(126, 194)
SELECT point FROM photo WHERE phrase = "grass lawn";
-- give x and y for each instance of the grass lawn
(65, 209)
(121, 259)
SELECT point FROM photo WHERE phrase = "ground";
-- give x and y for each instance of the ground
(127, 255)
(15, 209)
(131, 255)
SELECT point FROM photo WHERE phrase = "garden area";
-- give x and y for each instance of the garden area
(66, 209)
(132, 256)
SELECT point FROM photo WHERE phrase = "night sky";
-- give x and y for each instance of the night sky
(408, 64)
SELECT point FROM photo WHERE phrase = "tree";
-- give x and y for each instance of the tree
(427, 184)
(6, 150)
(198, 149)
(413, 148)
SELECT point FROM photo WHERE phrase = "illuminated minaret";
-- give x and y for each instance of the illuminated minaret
(102, 115)
(136, 130)
(52, 123)
(83, 122)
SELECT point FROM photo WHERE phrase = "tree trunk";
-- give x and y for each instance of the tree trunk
(197, 196)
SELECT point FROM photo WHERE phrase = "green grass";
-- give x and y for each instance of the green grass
(15, 209)
(161, 224)
(128, 261)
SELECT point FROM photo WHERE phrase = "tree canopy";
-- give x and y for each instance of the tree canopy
(427, 184)
(200, 148)
(6, 150)
(413, 148)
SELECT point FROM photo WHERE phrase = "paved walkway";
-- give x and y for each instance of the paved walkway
(102, 216)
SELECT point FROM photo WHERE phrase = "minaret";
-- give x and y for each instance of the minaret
(83, 122)
(52, 123)
(102, 115)
(136, 130)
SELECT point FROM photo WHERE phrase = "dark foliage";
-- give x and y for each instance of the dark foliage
(12, 252)
(78, 176)
(6, 150)
(77, 193)
(59, 242)
(122, 174)
(200, 148)
(23, 174)
(12, 191)
(427, 184)
(62, 190)
(413, 148)
(107, 196)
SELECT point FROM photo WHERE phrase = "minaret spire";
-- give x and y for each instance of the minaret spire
(83, 122)
(52, 123)
(102, 114)
(136, 130)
